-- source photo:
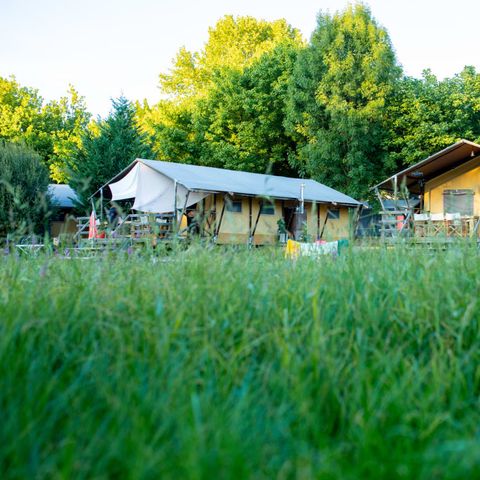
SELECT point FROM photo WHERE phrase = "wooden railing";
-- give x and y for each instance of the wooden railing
(136, 227)
(445, 225)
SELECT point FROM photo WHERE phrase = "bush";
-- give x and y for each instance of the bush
(23, 190)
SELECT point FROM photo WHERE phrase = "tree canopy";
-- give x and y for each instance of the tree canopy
(338, 92)
(258, 97)
(106, 149)
(225, 103)
(52, 129)
(428, 114)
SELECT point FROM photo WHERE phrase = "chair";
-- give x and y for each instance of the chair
(420, 224)
(437, 224)
(453, 224)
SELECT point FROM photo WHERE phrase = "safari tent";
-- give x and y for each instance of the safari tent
(62, 197)
(443, 191)
(233, 206)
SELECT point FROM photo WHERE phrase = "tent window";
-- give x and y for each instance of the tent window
(333, 213)
(267, 208)
(458, 201)
(234, 206)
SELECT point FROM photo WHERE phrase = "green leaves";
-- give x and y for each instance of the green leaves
(226, 102)
(23, 189)
(427, 114)
(338, 91)
(53, 129)
(107, 149)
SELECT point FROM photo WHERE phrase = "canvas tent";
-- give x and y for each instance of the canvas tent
(446, 190)
(63, 198)
(160, 187)
(233, 204)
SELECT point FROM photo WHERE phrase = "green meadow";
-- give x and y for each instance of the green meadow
(223, 364)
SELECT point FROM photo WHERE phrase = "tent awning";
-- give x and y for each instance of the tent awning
(433, 166)
(152, 191)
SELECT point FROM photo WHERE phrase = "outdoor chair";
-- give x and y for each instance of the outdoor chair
(420, 224)
(437, 224)
(453, 224)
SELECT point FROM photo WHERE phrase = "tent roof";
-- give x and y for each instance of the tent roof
(433, 166)
(209, 179)
(62, 195)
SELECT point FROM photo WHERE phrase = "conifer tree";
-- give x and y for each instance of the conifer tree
(108, 148)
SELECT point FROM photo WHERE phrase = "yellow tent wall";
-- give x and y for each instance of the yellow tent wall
(335, 229)
(61, 227)
(467, 176)
(235, 226)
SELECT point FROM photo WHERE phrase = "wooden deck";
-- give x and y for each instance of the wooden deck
(132, 230)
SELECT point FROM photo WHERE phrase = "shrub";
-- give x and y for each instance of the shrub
(23, 190)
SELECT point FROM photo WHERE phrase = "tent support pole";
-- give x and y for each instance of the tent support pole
(183, 211)
(217, 229)
(475, 228)
(324, 224)
(380, 198)
(175, 220)
(252, 236)
(101, 204)
(318, 220)
(250, 218)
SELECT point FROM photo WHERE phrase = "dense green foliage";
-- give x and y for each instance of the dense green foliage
(209, 364)
(427, 115)
(336, 109)
(107, 149)
(52, 129)
(23, 190)
(339, 90)
(257, 97)
(226, 102)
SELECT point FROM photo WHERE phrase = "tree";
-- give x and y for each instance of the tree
(23, 190)
(64, 121)
(242, 119)
(52, 129)
(427, 115)
(338, 94)
(235, 76)
(233, 44)
(107, 149)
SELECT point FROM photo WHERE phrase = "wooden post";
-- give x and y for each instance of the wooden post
(217, 229)
(175, 220)
(204, 218)
(318, 220)
(250, 218)
(356, 220)
(256, 221)
(101, 204)
(324, 223)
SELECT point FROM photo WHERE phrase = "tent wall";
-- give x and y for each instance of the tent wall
(466, 176)
(335, 229)
(235, 225)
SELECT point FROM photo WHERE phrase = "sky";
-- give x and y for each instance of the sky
(106, 48)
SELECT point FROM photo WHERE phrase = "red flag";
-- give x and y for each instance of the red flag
(92, 226)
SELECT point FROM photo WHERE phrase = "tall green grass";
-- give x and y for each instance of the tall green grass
(218, 364)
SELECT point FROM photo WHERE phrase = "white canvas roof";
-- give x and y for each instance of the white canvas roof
(151, 183)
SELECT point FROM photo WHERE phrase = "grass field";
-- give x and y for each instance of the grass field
(220, 364)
